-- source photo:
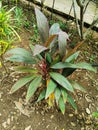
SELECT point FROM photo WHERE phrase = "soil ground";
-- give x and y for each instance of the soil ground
(15, 114)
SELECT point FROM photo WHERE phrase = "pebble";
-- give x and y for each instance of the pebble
(82, 128)
(73, 124)
(8, 121)
(70, 115)
(4, 124)
(88, 111)
(0, 114)
(52, 116)
(28, 128)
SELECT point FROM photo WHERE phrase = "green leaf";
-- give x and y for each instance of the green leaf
(20, 58)
(61, 80)
(57, 94)
(77, 86)
(20, 51)
(73, 57)
(26, 69)
(50, 88)
(62, 41)
(42, 24)
(20, 83)
(84, 65)
(33, 87)
(81, 65)
(62, 105)
(71, 101)
(31, 47)
(42, 95)
(64, 95)
(48, 57)
(55, 28)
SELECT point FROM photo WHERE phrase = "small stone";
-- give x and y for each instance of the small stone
(8, 121)
(52, 116)
(4, 124)
(28, 128)
(88, 111)
(82, 128)
(73, 124)
(0, 114)
(70, 115)
(88, 122)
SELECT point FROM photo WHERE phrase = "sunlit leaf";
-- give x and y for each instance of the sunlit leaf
(20, 83)
(50, 88)
(62, 41)
(64, 95)
(62, 105)
(33, 87)
(42, 24)
(26, 69)
(42, 95)
(61, 80)
(71, 101)
(57, 94)
(55, 29)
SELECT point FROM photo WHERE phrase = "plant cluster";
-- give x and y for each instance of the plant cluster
(48, 66)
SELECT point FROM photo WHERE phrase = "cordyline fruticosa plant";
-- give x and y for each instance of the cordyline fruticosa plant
(49, 66)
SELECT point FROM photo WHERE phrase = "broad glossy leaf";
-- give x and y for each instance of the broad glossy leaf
(64, 95)
(73, 57)
(62, 105)
(42, 24)
(26, 69)
(61, 65)
(19, 51)
(20, 83)
(62, 41)
(71, 101)
(55, 29)
(84, 65)
(50, 88)
(77, 86)
(62, 81)
(57, 94)
(81, 65)
(33, 87)
(38, 49)
(42, 95)
(48, 57)
(20, 58)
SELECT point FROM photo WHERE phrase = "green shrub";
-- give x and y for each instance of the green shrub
(48, 65)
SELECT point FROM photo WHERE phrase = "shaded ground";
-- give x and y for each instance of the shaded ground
(15, 114)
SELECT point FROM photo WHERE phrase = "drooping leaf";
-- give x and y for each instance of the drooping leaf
(81, 65)
(50, 88)
(77, 86)
(42, 24)
(55, 28)
(71, 101)
(62, 41)
(62, 81)
(62, 105)
(42, 95)
(38, 49)
(20, 58)
(26, 69)
(87, 66)
(19, 51)
(73, 57)
(31, 47)
(64, 95)
(20, 83)
(33, 87)
(57, 94)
